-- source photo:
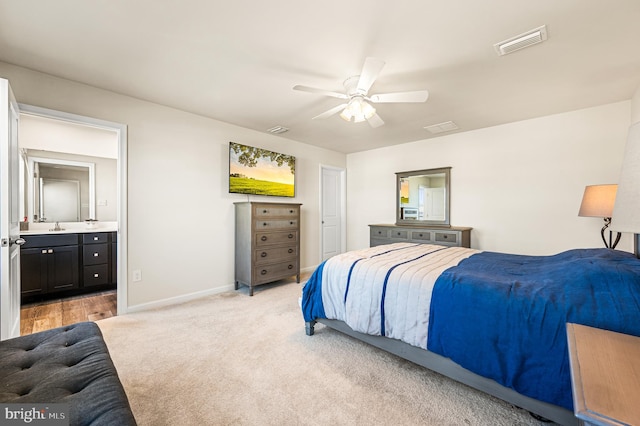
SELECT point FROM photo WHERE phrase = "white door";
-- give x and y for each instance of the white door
(332, 211)
(435, 203)
(9, 215)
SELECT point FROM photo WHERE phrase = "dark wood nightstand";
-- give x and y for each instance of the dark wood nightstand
(605, 375)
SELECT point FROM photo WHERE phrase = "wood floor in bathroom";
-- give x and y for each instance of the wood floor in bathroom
(42, 316)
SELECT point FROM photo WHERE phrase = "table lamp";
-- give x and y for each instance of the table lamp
(598, 201)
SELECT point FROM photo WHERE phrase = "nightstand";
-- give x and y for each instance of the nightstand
(605, 375)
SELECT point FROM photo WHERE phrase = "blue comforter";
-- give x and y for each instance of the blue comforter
(504, 316)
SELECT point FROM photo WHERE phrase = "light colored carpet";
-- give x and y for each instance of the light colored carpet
(232, 359)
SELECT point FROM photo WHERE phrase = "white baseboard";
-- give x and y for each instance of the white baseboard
(309, 269)
(178, 299)
(187, 297)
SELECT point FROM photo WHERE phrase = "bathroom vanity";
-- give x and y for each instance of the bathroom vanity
(72, 261)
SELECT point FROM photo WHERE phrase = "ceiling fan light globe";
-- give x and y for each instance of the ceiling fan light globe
(355, 106)
(346, 114)
(367, 110)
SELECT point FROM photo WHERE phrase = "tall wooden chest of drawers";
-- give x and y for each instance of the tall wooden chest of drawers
(267, 243)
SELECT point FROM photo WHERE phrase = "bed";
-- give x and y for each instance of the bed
(494, 321)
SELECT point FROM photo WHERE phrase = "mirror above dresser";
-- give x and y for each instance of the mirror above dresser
(422, 212)
(423, 197)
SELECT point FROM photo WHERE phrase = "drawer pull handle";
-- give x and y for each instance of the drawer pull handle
(263, 272)
(264, 238)
(291, 211)
(420, 235)
(290, 235)
(263, 254)
(264, 224)
(264, 211)
(290, 266)
(96, 275)
(95, 238)
(50, 251)
(445, 236)
(96, 254)
(290, 250)
(44, 251)
(398, 234)
(291, 223)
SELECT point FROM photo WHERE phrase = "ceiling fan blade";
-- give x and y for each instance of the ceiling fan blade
(320, 91)
(375, 121)
(331, 112)
(416, 96)
(370, 71)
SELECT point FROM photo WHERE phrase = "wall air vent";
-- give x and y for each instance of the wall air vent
(447, 126)
(535, 36)
(276, 130)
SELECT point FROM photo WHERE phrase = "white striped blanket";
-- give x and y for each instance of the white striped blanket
(386, 290)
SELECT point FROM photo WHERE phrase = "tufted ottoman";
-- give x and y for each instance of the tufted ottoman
(68, 365)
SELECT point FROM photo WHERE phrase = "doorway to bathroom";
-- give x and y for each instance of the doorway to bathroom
(61, 151)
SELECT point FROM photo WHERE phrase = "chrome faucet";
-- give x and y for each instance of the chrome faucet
(56, 227)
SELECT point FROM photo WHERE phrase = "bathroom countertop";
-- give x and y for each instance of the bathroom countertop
(70, 228)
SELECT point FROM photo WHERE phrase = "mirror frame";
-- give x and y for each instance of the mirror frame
(447, 204)
(31, 190)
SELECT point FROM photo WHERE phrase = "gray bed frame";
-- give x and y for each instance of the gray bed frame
(454, 371)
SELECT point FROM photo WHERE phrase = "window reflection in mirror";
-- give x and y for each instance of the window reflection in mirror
(423, 197)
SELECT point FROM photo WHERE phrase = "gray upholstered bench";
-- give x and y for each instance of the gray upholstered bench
(69, 365)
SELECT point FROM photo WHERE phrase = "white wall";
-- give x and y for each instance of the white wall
(518, 185)
(180, 214)
(62, 136)
(635, 107)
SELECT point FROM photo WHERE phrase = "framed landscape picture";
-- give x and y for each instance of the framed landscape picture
(260, 171)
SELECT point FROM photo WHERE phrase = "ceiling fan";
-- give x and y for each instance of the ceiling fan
(357, 105)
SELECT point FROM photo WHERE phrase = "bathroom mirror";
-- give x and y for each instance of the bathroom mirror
(422, 197)
(60, 190)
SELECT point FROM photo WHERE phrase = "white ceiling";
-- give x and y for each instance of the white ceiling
(237, 61)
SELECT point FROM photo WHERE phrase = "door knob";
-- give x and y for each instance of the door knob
(18, 241)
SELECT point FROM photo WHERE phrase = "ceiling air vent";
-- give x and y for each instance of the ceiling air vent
(447, 126)
(276, 130)
(535, 36)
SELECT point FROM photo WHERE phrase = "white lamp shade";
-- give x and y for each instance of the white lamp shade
(626, 212)
(598, 200)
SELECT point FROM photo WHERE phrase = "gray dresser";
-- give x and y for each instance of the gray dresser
(267, 243)
(387, 234)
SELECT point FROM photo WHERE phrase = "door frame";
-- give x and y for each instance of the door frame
(9, 226)
(121, 131)
(343, 207)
